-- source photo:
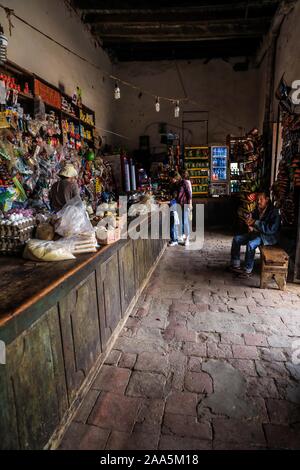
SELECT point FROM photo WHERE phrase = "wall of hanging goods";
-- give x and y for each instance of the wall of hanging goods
(287, 184)
(41, 129)
(286, 188)
(246, 161)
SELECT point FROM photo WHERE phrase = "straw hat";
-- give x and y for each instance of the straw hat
(68, 171)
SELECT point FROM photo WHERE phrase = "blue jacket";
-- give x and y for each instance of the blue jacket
(269, 225)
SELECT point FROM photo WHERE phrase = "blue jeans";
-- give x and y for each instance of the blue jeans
(173, 229)
(186, 222)
(252, 241)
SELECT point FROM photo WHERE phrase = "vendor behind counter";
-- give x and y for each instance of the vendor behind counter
(65, 189)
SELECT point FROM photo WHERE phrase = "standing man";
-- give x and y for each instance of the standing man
(263, 229)
(185, 201)
(174, 218)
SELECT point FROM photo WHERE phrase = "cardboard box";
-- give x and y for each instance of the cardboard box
(111, 237)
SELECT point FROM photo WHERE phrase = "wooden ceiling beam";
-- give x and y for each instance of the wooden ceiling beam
(157, 32)
(171, 38)
(242, 24)
(121, 7)
(186, 15)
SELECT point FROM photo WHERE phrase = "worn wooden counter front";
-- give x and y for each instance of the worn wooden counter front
(58, 321)
(219, 211)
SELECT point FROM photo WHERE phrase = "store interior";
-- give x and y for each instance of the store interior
(132, 97)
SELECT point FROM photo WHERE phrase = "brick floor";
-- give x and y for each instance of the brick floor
(205, 361)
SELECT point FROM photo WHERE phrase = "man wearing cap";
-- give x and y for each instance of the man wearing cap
(65, 189)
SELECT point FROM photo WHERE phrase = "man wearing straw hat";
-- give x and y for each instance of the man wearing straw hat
(65, 189)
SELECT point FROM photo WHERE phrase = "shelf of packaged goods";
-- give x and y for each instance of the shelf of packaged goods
(195, 148)
(87, 124)
(52, 107)
(197, 169)
(202, 184)
(196, 158)
(198, 176)
(202, 192)
(70, 116)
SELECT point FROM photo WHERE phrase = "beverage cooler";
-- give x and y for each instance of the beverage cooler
(219, 171)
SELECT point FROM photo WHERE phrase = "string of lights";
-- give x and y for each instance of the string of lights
(10, 13)
(117, 93)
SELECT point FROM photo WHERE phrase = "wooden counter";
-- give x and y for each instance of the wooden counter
(218, 211)
(58, 321)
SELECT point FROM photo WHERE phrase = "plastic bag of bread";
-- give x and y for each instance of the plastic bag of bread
(45, 232)
(41, 250)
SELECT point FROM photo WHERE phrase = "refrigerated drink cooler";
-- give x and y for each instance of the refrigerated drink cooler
(219, 171)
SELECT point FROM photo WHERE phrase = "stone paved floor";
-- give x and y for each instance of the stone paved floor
(204, 362)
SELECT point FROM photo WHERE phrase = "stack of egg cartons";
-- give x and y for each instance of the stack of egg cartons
(15, 231)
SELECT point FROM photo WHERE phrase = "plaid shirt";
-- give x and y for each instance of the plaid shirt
(185, 194)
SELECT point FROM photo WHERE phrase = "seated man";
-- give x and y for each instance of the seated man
(263, 227)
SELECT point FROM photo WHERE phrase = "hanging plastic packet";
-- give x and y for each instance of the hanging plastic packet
(20, 190)
(7, 198)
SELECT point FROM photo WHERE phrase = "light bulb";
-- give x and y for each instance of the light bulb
(176, 110)
(117, 92)
(157, 105)
(3, 46)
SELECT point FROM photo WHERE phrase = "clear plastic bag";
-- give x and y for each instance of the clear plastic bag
(40, 250)
(73, 219)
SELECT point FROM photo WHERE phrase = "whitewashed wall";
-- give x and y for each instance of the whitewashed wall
(37, 54)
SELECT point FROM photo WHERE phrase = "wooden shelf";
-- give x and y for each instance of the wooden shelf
(199, 176)
(92, 126)
(197, 169)
(193, 148)
(25, 96)
(70, 116)
(22, 77)
(196, 158)
(58, 110)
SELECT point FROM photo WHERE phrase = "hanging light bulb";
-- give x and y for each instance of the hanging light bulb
(3, 46)
(176, 109)
(157, 105)
(117, 92)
